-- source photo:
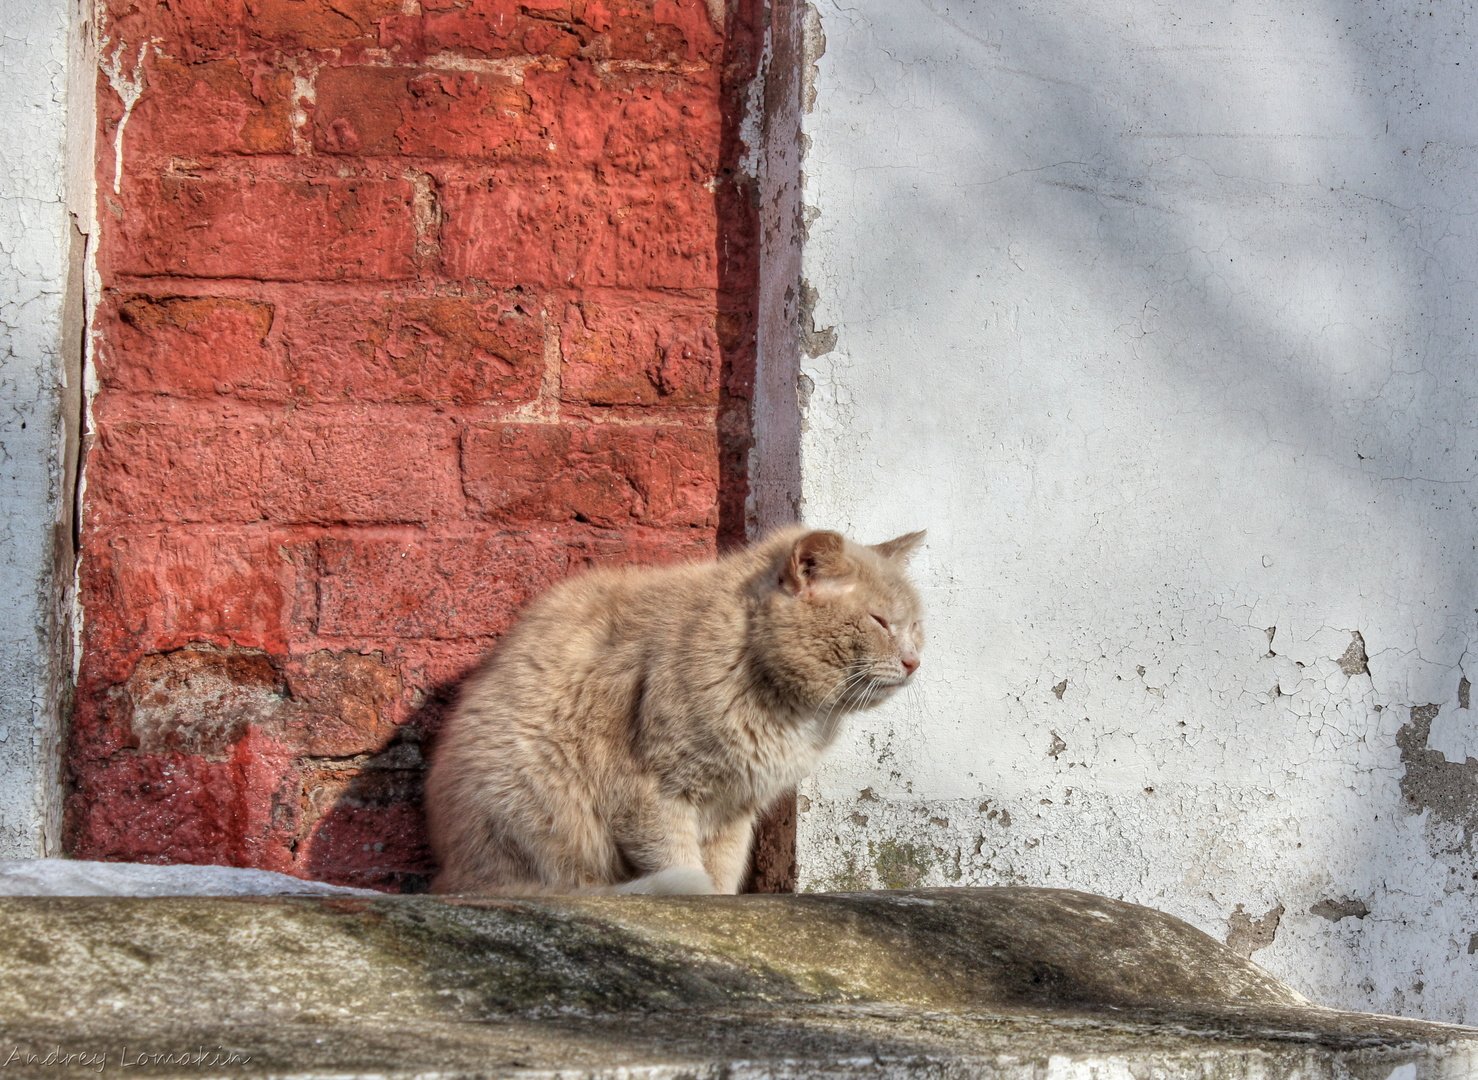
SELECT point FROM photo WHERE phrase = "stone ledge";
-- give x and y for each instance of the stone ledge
(1006, 982)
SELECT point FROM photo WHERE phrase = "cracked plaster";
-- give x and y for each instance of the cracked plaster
(40, 335)
(1160, 321)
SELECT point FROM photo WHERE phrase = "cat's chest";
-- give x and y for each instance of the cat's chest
(770, 759)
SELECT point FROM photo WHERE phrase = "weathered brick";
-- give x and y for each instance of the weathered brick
(660, 126)
(657, 31)
(298, 468)
(172, 587)
(212, 107)
(189, 345)
(345, 703)
(451, 114)
(432, 587)
(202, 701)
(196, 29)
(640, 547)
(499, 28)
(225, 224)
(463, 350)
(315, 24)
(173, 807)
(571, 229)
(605, 475)
(630, 352)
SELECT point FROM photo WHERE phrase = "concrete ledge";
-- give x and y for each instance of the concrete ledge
(1008, 982)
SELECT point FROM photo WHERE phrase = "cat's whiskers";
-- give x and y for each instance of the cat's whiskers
(832, 717)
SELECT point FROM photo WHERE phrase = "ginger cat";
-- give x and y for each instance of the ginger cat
(631, 728)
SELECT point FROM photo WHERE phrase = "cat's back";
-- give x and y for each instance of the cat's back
(600, 629)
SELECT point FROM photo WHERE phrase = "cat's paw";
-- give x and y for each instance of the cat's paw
(673, 881)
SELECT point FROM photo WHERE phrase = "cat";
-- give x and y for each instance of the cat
(634, 724)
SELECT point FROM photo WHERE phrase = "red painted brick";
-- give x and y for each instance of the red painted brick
(499, 28)
(177, 586)
(657, 31)
(315, 24)
(631, 352)
(172, 807)
(432, 587)
(298, 468)
(605, 475)
(347, 703)
(189, 345)
(641, 547)
(223, 224)
(195, 29)
(570, 229)
(451, 114)
(660, 31)
(463, 350)
(658, 125)
(213, 107)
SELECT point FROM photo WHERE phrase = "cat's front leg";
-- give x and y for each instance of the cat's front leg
(661, 839)
(726, 853)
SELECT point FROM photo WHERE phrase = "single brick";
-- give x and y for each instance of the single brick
(222, 224)
(497, 28)
(299, 468)
(346, 703)
(189, 345)
(631, 352)
(432, 587)
(605, 475)
(572, 229)
(464, 350)
(204, 584)
(641, 547)
(657, 125)
(656, 31)
(454, 114)
(197, 29)
(202, 701)
(212, 107)
(315, 24)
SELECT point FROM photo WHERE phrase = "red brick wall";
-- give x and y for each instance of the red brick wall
(408, 310)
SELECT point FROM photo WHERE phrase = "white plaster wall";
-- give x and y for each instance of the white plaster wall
(40, 336)
(1160, 318)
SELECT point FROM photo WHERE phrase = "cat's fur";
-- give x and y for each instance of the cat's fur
(630, 729)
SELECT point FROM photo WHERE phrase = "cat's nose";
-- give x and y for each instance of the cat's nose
(910, 663)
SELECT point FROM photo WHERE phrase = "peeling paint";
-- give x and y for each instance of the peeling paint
(1335, 910)
(1432, 783)
(816, 341)
(1246, 935)
(1353, 660)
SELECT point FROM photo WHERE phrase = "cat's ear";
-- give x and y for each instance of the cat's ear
(817, 560)
(900, 547)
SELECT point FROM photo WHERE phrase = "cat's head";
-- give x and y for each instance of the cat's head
(841, 626)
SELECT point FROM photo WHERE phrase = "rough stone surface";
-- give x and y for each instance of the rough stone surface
(1001, 983)
(406, 311)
